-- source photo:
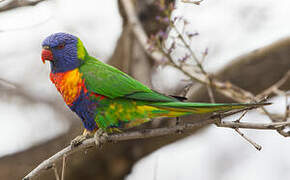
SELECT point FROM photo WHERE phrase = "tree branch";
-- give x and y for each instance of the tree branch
(192, 2)
(148, 133)
(55, 172)
(257, 146)
(138, 30)
(250, 125)
(227, 89)
(275, 87)
(19, 3)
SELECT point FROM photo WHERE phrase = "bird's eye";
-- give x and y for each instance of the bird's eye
(61, 46)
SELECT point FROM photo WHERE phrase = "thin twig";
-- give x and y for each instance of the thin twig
(210, 82)
(63, 166)
(287, 110)
(7, 83)
(197, 61)
(192, 54)
(244, 113)
(274, 88)
(55, 172)
(209, 90)
(172, 63)
(258, 126)
(204, 54)
(192, 2)
(257, 146)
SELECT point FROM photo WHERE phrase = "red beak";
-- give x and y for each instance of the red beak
(46, 55)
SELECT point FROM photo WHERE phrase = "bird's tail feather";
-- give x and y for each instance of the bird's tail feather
(201, 108)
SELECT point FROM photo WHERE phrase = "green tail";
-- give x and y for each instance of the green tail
(201, 108)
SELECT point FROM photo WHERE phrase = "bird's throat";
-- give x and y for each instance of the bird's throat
(69, 84)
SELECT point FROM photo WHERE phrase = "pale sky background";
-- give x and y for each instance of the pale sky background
(228, 28)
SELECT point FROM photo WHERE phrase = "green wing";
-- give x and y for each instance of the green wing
(108, 81)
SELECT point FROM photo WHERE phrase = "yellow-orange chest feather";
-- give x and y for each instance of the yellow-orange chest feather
(69, 84)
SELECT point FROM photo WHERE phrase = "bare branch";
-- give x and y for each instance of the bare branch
(275, 87)
(209, 90)
(89, 143)
(148, 133)
(257, 146)
(192, 54)
(19, 3)
(55, 172)
(227, 89)
(138, 29)
(7, 84)
(192, 2)
(249, 125)
(63, 166)
(287, 110)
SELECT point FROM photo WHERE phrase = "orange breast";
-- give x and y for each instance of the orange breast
(69, 84)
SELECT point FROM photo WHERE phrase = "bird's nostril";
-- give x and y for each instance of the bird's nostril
(46, 47)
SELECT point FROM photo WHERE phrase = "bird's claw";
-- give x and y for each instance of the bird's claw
(78, 140)
(100, 137)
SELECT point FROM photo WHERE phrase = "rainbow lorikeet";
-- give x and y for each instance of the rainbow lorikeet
(104, 97)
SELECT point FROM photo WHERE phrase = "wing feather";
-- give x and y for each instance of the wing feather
(106, 80)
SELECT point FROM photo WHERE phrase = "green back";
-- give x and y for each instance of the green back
(106, 80)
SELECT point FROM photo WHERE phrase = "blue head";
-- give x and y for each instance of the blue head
(64, 51)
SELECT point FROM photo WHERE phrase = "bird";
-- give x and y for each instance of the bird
(106, 98)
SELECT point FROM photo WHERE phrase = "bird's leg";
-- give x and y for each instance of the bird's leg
(177, 122)
(100, 137)
(79, 139)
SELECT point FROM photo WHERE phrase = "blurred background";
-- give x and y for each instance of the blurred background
(35, 123)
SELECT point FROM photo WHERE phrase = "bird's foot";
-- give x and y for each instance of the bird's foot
(100, 137)
(79, 139)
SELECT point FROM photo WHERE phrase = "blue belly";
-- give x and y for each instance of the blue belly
(86, 110)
